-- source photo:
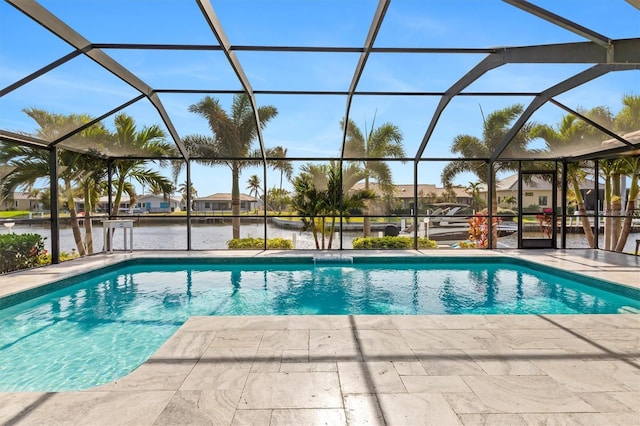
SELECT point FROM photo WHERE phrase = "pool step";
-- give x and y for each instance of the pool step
(340, 259)
(628, 310)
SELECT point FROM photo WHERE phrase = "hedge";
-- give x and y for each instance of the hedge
(258, 244)
(392, 243)
(20, 251)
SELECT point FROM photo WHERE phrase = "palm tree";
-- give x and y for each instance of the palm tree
(254, 185)
(283, 166)
(149, 141)
(184, 189)
(318, 195)
(382, 142)
(628, 120)
(30, 164)
(495, 128)
(474, 190)
(571, 133)
(233, 135)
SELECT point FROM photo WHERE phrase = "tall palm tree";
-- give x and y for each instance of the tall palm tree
(495, 127)
(381, 142)
(30, 164)
(628, 120)
(254, 185)
(569, 134)
(233, 136)
(184, 189)
(474, 190)
(283, 166)
(149, 141)
(318, 195)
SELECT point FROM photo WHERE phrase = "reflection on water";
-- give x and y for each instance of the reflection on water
(215, 237)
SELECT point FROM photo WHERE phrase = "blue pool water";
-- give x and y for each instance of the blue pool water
(99, 327)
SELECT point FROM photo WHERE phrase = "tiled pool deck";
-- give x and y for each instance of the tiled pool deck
(359, 370)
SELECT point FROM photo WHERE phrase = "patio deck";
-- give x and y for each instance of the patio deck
(395, 370)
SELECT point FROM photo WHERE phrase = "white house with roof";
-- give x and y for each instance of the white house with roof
(21, 201)
(221, 201)
(147, 203)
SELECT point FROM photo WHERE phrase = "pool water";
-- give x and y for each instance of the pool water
(103, 327)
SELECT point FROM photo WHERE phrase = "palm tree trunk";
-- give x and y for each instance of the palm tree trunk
(235, 199)
(608, 222)
(333, 230)
(616, 209)
(314, 231)
(88, 222)
(494, 211)
(75, 226)
(586, 226)
(631, 202)
(367, 220)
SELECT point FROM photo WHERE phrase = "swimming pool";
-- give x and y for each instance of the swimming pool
(97, 327)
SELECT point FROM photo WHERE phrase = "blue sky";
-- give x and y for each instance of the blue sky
(307, 125)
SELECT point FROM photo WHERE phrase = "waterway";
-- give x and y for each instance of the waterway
(215, 237)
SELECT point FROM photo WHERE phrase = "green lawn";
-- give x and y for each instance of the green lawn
(17, 214)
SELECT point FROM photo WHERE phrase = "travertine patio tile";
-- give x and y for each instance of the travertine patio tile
(267, 361)
(12, 404)
(530, 338)
(229, 357)
(417, 409)
(630, 336)
(525, 394)
(467, 403)
(237, 339)
(374, 322)
(363, 409)
(409, 368)
(601, 321)
(155, 375)
(411, 322)
(200, 407)
(99, 408)
(285, 339)
(583, 419)
(295, 355)
(185, 345)
(580, 376)
(604, 402)
(383, 345)
(308, 417)
(307, 367)
(630, 399)
(369, 377)
(211, 377)
(624, 372)
(448, 363)
(291, 390)
(309, 322)
(504, 362)
(251, 418)
(496, 419)
(436, 384)
(446, 339)
(332, 345)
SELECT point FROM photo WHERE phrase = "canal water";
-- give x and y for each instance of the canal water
(215, 237)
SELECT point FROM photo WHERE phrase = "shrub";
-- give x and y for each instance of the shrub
(258, 244)
(386, 243)
(20, 251)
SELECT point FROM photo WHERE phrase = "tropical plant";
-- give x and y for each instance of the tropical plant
(283, 166)
(277, 199)
(30, 164)
(386, 243)
(495, 127)
(184, 189)
(149, 141)
(319, 195)
(381, 142)
(572, 133)
(628, 120)
(254, 185)
(230, 145)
